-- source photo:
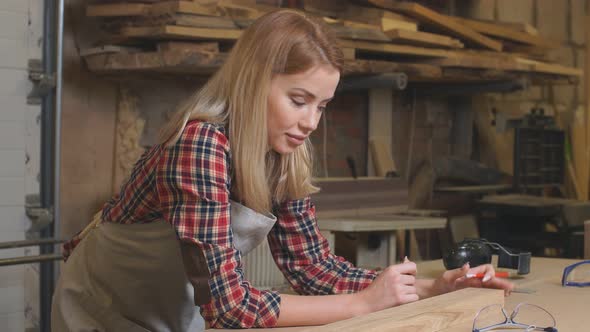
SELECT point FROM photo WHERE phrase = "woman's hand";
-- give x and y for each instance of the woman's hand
(393, 286)
(456, 279)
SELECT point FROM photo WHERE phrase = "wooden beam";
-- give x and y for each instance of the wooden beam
(443, 22)
(419, 38)
(504, 32)
(171, 31)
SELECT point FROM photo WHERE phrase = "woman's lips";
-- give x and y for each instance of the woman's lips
(296, 139)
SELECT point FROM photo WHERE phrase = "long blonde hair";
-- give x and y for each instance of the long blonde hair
(280, 42)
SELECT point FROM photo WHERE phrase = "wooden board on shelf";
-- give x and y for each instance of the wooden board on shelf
(430, 17)
(368, 15)
(390, 24)
(244, 9)
(502, 61)
(167, 46)
(172, 31)
(155, 9)
(166, 61)
(377, 16)
(180, 19)
(107, 49)
(348, 32)
(395, 49)
(505, 32)
(478, 61)
(325, 7)
(414, 71)
(422, 39)
(522, 27)
(117, 9)
(549, 68)
(453, 74)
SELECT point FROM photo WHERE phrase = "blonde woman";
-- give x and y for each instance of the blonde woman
(233, 168)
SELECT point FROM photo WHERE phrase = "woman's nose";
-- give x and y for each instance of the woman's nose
(310, 120)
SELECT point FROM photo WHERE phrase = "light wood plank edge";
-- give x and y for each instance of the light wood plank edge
(159, 61)
(394, 49)
(550, 68)
(181, 32)
(153, 9)
(117, 9)
(423, 38)
(431, 17)
(505, 32)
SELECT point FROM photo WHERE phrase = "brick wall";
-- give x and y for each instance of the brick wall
(346, 124)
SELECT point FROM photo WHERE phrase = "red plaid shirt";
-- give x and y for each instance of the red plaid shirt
(189, 186)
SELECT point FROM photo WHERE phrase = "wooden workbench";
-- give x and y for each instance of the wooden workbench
(567, 304)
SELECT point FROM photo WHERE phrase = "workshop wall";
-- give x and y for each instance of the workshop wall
(561, 21)
(98, 112)
(88, 127)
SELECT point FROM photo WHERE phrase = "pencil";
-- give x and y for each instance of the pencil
(481, 275)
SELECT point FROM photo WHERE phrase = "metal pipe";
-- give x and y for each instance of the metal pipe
(58, 113)
(29, 259)
(53, 26)
(28, 243)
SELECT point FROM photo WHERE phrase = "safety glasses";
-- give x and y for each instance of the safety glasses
(524, 317)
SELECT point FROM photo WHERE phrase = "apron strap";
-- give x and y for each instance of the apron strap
(197, 271)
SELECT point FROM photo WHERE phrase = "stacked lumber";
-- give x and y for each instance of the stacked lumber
(376, 36)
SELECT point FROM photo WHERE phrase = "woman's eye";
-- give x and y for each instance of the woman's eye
(297, 103)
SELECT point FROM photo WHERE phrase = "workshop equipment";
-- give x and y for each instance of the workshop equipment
(480, 251)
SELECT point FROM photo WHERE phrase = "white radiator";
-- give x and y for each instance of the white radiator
(260, 269)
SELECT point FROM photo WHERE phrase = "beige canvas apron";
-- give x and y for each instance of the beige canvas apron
(131, 277)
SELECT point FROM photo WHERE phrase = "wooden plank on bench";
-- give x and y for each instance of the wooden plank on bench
(445, 312)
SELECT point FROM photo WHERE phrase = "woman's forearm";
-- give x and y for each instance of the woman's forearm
(299, 310)
(426, 288)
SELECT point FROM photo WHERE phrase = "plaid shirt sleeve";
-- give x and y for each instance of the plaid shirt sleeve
(193, 184)
(303, 254)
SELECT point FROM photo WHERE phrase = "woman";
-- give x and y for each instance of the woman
(233, 167)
